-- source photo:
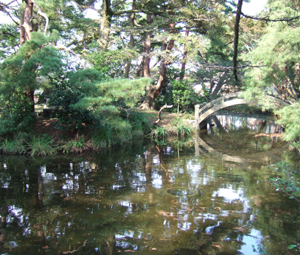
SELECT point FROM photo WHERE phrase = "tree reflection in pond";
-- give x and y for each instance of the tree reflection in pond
(118, 202)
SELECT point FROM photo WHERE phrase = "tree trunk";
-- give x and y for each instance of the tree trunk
(236, 37)
(182, 72)
(131, 41)
(26, 22)
(25, 35)
(146, 66)
(219, 85)
(153, 91)
(105, 21)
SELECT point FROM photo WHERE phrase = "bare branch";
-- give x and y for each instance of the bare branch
(228, 67)
(3, 8)
(159, 113)
(18, 24)
(89, 7)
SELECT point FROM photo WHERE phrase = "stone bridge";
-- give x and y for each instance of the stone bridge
(202, 113)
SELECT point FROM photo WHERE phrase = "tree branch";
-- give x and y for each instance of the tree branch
(89, 7)
(159, 113)
(10, 34)
(270, 20)
(42, 14)
(72, 52)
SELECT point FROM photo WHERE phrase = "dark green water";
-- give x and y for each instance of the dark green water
(209, 196)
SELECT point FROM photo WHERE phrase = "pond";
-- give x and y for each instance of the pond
(208, 196)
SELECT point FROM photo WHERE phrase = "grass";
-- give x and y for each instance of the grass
(177, 127)
(41, 146)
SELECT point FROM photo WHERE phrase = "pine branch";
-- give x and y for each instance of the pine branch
(6, 33)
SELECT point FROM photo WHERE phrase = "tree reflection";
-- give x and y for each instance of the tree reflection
(142, 199)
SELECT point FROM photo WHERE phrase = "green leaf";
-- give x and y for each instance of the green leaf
(292, 246)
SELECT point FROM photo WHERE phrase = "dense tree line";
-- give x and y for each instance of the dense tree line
(143, 54)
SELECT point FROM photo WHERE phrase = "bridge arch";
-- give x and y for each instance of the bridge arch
(202, 113)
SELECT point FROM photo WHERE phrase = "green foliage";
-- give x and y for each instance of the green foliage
(21, 74)
(17, 145)
(181, 129)
(293, 246)
(41, 146)
(182, 94)
(66, 90)
(290, 119)
(16, 114)
(111, 104)
(161, 132)
(9, 39)
(286, 179)
(278, 54)
(74, 146)
(110, 62)
(259, 249)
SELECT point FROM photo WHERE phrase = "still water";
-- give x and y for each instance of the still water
(210, 195)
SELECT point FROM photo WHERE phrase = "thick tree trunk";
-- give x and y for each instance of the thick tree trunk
(131, 41)
(153, 91)
(105, 21)
(26, 22)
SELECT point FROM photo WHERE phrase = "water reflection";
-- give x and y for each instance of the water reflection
(142, 199)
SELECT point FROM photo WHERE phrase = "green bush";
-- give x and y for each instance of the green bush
(16, 115)
(180, 128)
(65, 92)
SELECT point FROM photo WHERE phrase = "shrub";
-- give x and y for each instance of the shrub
(16, 115)
(65, 93)
(180, 128)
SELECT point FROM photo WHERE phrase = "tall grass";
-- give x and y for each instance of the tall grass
(78, 145)
(41, 146)
(178, 128)
(17, 145)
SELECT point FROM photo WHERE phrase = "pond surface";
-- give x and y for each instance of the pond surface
(207, 196)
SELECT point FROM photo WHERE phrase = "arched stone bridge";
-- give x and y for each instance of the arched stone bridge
(202, 113)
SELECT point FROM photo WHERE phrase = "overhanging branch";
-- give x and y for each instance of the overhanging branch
(271, 20)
